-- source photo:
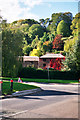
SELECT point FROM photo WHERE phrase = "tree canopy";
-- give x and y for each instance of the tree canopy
(30, 37)
(63, 29)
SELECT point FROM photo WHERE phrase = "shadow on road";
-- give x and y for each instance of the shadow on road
(47, 93)
(25, 97)
(53, 92)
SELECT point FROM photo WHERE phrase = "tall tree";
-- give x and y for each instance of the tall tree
(12, 49)
(56, 18)
(77, 54)
(76, 25)
(63, 29)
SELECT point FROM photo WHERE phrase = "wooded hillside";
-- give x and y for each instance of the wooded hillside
(60, 34)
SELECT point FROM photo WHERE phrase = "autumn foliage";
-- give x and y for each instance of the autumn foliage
(56, 64)
(58, 43)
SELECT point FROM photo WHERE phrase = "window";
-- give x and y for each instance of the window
(44, 65)
(32, 62)
(44, 59)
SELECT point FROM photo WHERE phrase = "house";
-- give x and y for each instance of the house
(30, 61)
(48, 60)
(51, 60)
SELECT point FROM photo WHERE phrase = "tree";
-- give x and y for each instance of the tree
(75, 27)
(77, 54)
(51, 37)
(27, 49)
(69, 43)
(63, 29)
(12, 49)
(56, 18)
(44, 22)
(34, 30)
(25, 21)
(47, 46)
(44, 37)
(72, 61)
(58, 43)
(35, 42)
(36, 52)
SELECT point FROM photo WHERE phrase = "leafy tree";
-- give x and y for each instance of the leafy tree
(69, 14)
(63, 29)
(34, 30)
(72, 61)
(44, 37)
(25, 21)
(77, 54)
(58, 43)
(47, 46)
(36, 52)
(35, 42)
(51, 37)
(56, 18)
(25, 28)
(44, 22)
(76, 25)
(27, 49)
(69, 43)
(12, 49)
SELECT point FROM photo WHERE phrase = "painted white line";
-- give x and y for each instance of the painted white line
(17, 113)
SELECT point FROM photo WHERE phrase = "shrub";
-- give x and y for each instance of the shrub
(43, 74)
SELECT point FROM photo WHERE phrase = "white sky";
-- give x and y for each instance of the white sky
(21, 9)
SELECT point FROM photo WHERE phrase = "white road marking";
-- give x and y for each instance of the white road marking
(17, 113)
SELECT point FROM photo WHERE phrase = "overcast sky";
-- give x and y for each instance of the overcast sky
(35, 9)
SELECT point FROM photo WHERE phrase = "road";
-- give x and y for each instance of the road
(55, 101)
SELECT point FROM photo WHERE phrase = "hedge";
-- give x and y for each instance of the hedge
(43, 74)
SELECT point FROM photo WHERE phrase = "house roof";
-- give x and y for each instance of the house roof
(30, 58)
(52, 55)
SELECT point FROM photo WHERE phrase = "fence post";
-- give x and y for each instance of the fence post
(11, 85)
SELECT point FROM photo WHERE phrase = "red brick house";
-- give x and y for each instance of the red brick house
(51, 60)
(48, 60)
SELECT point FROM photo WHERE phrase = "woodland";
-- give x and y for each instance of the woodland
(58, 34)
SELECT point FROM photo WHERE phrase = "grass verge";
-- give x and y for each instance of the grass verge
(50, 81)
(43, 80)
(16, 87)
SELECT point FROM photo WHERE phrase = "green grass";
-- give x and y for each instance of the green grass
(16, 87)
(49, 81)
(43, 80)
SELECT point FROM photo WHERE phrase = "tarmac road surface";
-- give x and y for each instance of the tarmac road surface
(55, 101)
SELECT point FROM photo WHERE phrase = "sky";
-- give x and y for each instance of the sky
(12, 10)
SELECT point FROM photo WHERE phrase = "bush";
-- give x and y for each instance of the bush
(43, 74)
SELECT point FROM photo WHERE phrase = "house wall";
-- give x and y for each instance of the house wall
(44, 63)
(30, 64)
(50, 63)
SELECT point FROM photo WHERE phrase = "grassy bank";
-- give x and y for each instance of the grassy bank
(16, 87)
(42, 80)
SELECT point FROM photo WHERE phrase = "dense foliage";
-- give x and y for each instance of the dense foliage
(60, 34)
(63, 29)
(58, 43)
(43, 74)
